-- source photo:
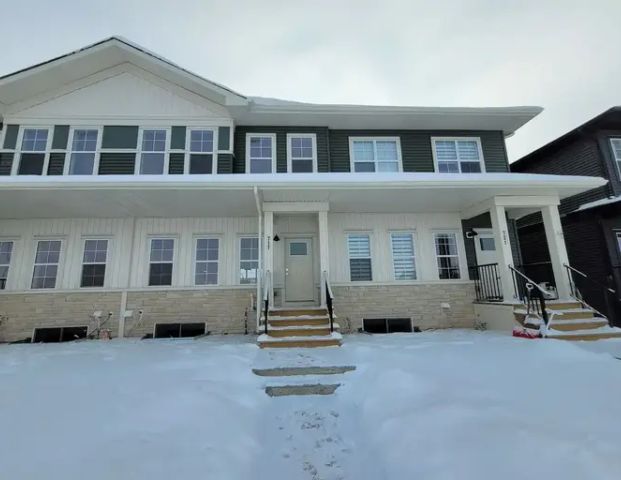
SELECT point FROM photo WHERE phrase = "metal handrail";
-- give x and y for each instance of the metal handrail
(530, 280)
(533, 303)
(329, 300)
(267, 285)
(582, 274)
(575, 293)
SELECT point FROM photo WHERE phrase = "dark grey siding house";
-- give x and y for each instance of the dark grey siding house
(591, 220)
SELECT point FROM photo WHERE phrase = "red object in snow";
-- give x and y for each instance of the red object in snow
(525, 333)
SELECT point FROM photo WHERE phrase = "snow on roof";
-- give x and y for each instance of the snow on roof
(599, 203)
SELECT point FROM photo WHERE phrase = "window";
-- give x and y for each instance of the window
(206, 270)
(6, 249)
(94, 263)
(458, 155)
(153, 155)
(298, 249)
(381, 154)
(487, 244)
(447, 255)
(201, 151)
(302, 152)
(619, 241)
(359, 247)
(46, 264)
(616, 151)
(34, 147)
(248, 259)
(161, 261)
(403, 258)
(260, 153)
(83, 151)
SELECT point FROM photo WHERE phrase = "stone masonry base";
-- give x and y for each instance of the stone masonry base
(421, 303)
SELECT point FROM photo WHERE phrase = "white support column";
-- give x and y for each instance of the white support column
(268, 233)
(324, 253)
(503, 251)
(556, 246)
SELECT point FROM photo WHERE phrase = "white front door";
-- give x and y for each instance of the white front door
(485, 246)
(299, 282)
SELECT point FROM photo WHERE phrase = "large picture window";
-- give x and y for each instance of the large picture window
(458, 155)
(94, 263)
(206, 268)
(161, 261)
(6, 250)
(260, 153)
(447, 255)
(46, 264)
(83, 151)
(403, 256)
(33, 150)
(248, 259)
(359, 248)
(381, 154)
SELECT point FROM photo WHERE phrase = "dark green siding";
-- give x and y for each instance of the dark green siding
(416, 151)
(177, 138)
(239, 147)
(117, 163)
(10, 138)
(175, 163)
(225, 163)
(120, 137)
(6, 162)
(224, 138)
(57, 163)
(61, 136)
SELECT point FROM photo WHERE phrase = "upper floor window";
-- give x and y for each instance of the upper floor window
(616, 150)
(33, 150)
(301, 152)
(260, 153)
(457, 155)
(382, 154)
(83, 152)
(201, 151)
(153, 153)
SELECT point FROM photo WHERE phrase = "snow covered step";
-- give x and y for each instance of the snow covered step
(295, 371)
(577, 323)
(298, 321)
(589, 334)
(300, 330)
(297, 312)
(268, 341)
(313, 389)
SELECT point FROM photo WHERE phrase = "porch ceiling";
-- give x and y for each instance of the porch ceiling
(233, 195)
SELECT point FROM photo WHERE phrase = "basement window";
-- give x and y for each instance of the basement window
(178, 330)
(58, 334)
(386, 325)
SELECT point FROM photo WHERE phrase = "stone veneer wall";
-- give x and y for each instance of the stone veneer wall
(422, 303)
(20, 313)
(222, 309)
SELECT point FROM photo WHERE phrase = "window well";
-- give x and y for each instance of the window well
(58, 334)
(386, 325)
(179, 330)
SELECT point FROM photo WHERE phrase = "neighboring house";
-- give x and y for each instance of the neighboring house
(135, 193)
(591, 220)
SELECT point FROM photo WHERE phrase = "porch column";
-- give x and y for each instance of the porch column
(324, 257)
(268, 235)
(503, 251)
(556, 246)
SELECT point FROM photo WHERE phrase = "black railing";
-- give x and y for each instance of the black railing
(487, 283)
(601, 296)
(329, 301)
(540, 272)
(533, 296)
(266, 299)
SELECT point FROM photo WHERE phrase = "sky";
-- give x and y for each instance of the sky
(563, 55)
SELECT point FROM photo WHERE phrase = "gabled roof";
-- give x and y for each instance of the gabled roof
(113, 51)
(610, 118)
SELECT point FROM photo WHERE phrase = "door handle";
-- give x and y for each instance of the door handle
(286, 271)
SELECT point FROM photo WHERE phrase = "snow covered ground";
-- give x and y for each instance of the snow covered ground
(437, 405)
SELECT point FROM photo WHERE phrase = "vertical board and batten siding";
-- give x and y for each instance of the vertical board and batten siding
(416, 149)
(379, 226)
(239, 147)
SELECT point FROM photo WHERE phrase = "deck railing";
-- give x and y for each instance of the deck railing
(267, 287)
(487, 283)
(329, 300)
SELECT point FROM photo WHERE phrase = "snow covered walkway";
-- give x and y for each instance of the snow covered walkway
(437, 405)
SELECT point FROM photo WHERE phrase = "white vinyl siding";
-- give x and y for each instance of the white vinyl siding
(248, 260)
(260, 153)
(403, 256)
(458, 155)
(375, 154)
(47, 260)
(359, 248)
(6, 251)
(447, 255)
(206, 256)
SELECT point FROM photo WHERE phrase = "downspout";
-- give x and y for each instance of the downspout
(130, 263)
(257, 199)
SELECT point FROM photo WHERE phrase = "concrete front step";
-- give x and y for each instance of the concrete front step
(571, 314)
(298, 322)
(315, 389)
(296, 371)
(577, 324)
(590, 334)
(269, 341)
(299, 332)
(297, 312)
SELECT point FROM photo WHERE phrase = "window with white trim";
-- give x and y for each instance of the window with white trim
(403, 256)
(615, 143)
(83, 151)
(458, 155)
(260, 153)
(302, 152)
(447, 255)
(201, 151)
(161, 258)
(381, 154)
(248, 259)
(33, 151)
(94, 263)
(46, 263)
(206, 258)
(359, 248)
(153, 152)
(6, 250)
(619, 241)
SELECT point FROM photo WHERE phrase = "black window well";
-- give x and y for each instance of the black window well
(178, 330)
(59, 334)
(386, 325)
